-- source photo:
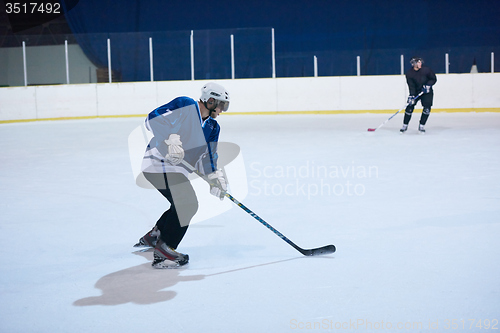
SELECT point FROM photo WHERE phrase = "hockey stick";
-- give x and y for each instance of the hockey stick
(404, 107)
(307, 252)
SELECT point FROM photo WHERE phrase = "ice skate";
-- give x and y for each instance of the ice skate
(421, 129)
(166, 257)
(403, 129)
(149, 239)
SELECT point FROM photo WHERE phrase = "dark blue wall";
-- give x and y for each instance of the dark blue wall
(335, 31)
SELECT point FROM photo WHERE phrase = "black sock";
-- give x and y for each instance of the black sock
(407, 118)
(423, 118)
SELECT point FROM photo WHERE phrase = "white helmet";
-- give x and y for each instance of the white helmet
(217, 92)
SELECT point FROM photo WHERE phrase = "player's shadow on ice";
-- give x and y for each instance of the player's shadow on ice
(144, 285)
(139, 284)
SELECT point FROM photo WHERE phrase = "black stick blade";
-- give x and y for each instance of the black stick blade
(319, 251)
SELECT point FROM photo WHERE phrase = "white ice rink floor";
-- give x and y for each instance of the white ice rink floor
(415, 219)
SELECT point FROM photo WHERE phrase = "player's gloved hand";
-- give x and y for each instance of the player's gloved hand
(426, 89)
(411, 100)
(218, 184)
(175, 153)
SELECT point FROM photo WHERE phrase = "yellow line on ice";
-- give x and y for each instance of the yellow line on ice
(262, 113)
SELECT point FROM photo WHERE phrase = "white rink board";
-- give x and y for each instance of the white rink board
(114, 99)
(66, 101)
(18, 103)
(453, 92)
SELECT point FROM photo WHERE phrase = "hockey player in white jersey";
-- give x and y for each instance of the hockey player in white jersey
(182, 129)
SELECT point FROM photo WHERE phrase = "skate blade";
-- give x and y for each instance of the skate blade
(147, 249)
(138, 245)
(168, 265)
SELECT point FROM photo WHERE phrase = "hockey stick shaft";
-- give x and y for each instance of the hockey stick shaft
(385, 122)
(307, 252)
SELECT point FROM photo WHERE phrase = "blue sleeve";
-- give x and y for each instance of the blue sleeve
(211, 129)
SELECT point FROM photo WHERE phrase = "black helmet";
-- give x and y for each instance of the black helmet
(414, 60)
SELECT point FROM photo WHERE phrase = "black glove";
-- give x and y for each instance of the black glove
(426, 89)
(411, 100)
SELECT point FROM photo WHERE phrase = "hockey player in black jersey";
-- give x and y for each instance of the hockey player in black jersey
(420, 79)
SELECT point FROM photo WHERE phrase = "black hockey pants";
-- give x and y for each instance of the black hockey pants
(174, 222)
(426, 100)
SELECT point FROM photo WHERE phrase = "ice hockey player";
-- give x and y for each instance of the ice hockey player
(182, 129)
(419, 79)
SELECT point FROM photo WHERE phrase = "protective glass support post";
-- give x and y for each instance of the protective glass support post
(24, 65)
(192, 54)
(232, 57)
(315, 66)
(109, 61)
(67, 60)
(447, 63)
(358, 65)
(273, 54)
(492, 62)
(402, 65)
(151, 59)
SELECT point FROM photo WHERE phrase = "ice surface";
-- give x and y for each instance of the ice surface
(415, 219)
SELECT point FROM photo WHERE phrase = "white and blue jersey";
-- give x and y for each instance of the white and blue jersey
(199, 138)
